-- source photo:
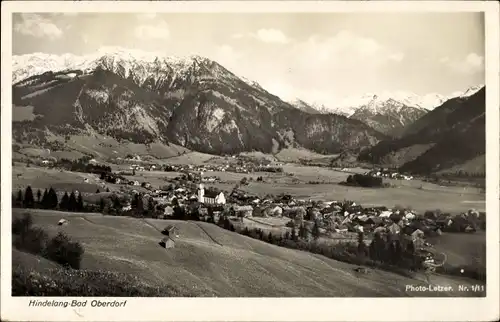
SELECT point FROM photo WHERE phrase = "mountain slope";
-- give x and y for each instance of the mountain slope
(211, 260)
(446, 137)
(193, 102)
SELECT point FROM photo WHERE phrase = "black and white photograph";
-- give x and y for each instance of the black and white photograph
(273, 154)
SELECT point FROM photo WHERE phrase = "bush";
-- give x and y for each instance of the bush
(68, 282)
(33, 240)
(65, 252)
(22, 225)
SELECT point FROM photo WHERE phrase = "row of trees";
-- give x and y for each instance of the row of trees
(397, 255)
(364, 180)
(48, 200)
(82, 165)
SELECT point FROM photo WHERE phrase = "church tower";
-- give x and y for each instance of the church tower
(201, 193)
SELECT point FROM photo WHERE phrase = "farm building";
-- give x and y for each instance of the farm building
(62, 222)
(171, 231)
(167, 242)
(243, 211)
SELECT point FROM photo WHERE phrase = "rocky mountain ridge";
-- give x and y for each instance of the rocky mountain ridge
(194, 102)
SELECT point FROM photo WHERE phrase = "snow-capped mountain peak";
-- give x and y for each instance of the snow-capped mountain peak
(471, 91)
(379, 102)
(124, 61)
(251, 82)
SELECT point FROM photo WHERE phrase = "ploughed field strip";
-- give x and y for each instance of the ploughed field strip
(243, 267)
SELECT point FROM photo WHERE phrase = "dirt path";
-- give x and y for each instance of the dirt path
(206, 232)
(151, 225)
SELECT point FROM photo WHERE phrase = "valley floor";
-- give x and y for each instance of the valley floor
(304, 183)
(224, 263)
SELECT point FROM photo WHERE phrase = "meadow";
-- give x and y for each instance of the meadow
(318, 183)
(302, 182)
(218, 262)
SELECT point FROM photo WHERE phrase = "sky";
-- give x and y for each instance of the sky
(317, 57)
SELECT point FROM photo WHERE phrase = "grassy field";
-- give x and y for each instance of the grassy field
(295, 155)
(417, 194)
(42, 178)
(104, 148)
(208, 258)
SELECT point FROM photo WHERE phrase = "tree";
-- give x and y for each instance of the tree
(139, 207)
(101, 204)
(135, 201)
(38, 196)
(45, 199)
(79, 202)
(175, 202)
(303, 231)
(52, 201)
(151, 206)
(315, 230)
(179, 212)
(72, 203)
(64, 202)
(29, 201)
(361, 244)
(62, 250)
(378, 248)
(19, 198)
(294, 236)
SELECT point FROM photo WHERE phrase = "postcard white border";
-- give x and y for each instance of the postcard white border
(265, 309)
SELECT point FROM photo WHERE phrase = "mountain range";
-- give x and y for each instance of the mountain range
(194, 102)
(449, 136)
(389, 113)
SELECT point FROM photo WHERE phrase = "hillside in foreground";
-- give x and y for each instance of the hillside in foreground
(214, 261)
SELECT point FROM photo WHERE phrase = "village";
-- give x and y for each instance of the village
(340, 220)
(193, 192)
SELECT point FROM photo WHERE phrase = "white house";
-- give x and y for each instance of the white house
(210, 197)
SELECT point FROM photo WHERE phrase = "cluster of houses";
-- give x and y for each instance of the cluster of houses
(119, 179)
(387, 173)
(335, 216)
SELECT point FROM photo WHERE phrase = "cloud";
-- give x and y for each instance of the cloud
(272, 36)
(266, 35)
(343, 52)
(159, 30)
(470, 64)
(230, 58)
(146, 16)
(37, 26)
(316, 67)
